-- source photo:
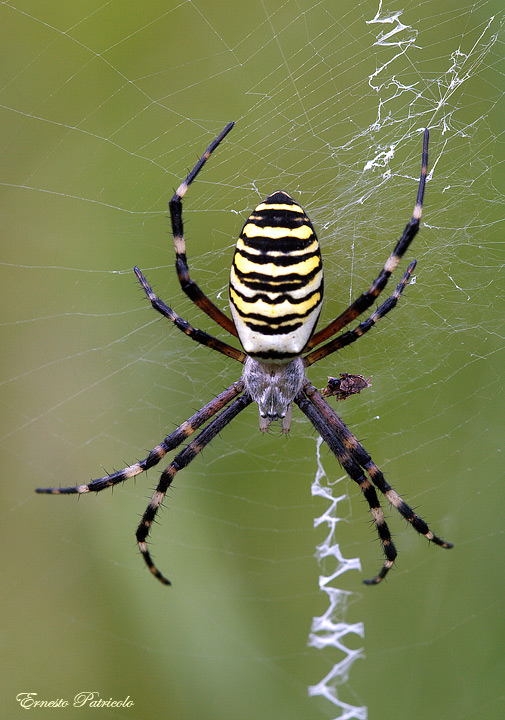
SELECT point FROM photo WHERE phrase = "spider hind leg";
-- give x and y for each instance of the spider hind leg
(355, 472)
(353, 457)
(192, 449)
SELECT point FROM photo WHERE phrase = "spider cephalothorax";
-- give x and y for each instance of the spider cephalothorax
(273, 386)
(276, 292)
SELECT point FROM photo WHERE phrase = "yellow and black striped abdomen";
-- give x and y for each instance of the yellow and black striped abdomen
(276, 281)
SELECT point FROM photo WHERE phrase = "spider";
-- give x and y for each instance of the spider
(276, 292)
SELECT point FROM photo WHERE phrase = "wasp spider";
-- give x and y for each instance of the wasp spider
(276, 292)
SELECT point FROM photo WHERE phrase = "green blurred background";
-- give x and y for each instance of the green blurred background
(105, 106)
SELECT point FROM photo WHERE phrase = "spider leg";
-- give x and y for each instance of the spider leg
(344, 457)
(351, 336)
(169, 443)
(191, 289)
(198, 336)
(179, 462)
(364, 301)
(358, 452)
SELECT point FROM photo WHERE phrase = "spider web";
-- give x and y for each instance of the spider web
(105, 106)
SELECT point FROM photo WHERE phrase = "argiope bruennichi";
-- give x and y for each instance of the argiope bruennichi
(276, 292)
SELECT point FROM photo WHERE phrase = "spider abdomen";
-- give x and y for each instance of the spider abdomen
(276, 281)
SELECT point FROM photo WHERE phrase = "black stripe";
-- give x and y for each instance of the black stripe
(280, 261)
(284, 244)
(279, 198)
(269, 330)
(278, 218)
(266, 282)
(273, 355)
(277, 300)
(269, 286)
(247, 317)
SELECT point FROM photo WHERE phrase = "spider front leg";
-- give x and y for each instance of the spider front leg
(350, 336)
(188, 285)
(366, 300)
(198, 336)
(179, 462)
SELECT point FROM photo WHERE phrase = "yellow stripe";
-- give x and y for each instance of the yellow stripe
(302, 268)
(275, 206)
(309, 287)
(301, 233)
(274, 312)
